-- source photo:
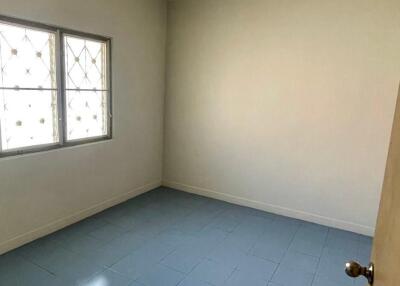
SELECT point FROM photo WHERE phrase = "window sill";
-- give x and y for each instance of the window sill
(52, 148)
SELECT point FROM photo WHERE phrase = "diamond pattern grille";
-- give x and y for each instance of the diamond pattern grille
(86, 87)
(27, 58)
(28, 87)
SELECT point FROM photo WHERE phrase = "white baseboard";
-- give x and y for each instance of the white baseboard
(63, 222)
(331, 222)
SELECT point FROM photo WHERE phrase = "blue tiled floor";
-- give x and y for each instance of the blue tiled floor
(168, 238)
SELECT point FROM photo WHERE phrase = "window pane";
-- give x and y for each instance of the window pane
(28, 87)
(27, 57)
(86, 114)
(86, 88)
(85, 62)
(28, 118)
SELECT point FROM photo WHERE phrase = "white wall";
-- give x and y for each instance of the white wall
(45, 191)
(283, 105)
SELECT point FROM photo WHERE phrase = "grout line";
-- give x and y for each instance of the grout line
(287, 249)
(40, 266)
(322, 252)
(210, 219)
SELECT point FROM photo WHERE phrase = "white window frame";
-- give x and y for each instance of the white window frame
(61, 87)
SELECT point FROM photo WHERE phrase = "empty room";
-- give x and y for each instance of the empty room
(199, 143)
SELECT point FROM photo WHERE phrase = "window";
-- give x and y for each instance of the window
(86, 87)
(28, 100)
(54, 87)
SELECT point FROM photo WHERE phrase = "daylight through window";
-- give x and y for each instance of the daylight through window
(54, 88)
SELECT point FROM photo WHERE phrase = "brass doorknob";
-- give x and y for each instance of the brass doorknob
(354, 269)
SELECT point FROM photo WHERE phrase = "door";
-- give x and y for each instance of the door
(386, 246)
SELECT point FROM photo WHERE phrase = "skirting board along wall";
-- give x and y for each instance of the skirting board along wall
(66, 221)
(361, 229)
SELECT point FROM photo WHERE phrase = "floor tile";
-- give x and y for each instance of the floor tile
(300, 261)
(346, 245)
(324, 281)
(134, 283)
(281, 236)
(310, 239)
(307, 246)
(133, 266)
(240, 243)
(318, 232)
(161, 275)
(38, 249)
(107, 278)
(175, 238)
(241, 278)
(154, 250)
(257, 267)
(142, 260)
(89, 224)
(82, 244)
(15, 271)
(332, 263)
(69, 266)
(226, 255)
(366, 239)
(289, 277)
(342, 234)
(183, 260)
(225, 222)
(188, 281)
(151, 229)
(108, 254)
(129, 241)
(107, 232)
(271, 250)
(212, 272)
(285, 227)
(360, 281)
(212, 235)
(364, 250)
(126, 222)
(167, 237)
